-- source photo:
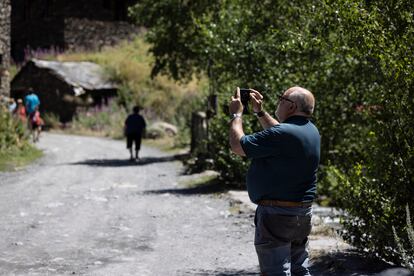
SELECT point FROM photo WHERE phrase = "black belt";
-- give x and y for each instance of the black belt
(282, 203)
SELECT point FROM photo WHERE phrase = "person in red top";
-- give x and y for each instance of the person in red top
(20, 111)
(36, 124)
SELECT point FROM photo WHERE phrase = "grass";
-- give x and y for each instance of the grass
(170, 144)
(202, 180)
(166, 144)
(202, 183)
(13, 160)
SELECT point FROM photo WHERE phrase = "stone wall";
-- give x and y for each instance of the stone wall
(5, 10)
(56, 25)
(93, 34)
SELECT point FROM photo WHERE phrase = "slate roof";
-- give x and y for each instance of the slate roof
(80, 75)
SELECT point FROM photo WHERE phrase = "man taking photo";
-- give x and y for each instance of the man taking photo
(281, 178)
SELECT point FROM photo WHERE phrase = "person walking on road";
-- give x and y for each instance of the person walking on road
(281, 178)
(134, 129)
(36, 123)
(31, 101)
(32, 104)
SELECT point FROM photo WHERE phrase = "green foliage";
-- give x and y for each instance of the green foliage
(383, 32)
(15, 158)
(172, 29)
(354, 55)
(12, 131)
(232, 168)
(15, 149)
(407, 254)
(243, 43)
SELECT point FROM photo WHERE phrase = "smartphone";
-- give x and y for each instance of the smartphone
(245, 98)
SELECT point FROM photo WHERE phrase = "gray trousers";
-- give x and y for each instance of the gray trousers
(281, 242)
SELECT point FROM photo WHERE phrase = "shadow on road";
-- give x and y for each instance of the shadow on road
(235, 273)
(125, 162)
(351, 263)
(224, 272)
(210, 187)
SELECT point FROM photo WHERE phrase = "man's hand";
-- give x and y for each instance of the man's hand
(236, 127)
(235, 104)
(257, 100)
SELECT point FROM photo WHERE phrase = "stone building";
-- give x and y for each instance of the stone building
(62, 25)
(64, 87)
(5, 9)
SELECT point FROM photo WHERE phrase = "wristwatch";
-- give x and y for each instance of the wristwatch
(259, 114)
(235, 115)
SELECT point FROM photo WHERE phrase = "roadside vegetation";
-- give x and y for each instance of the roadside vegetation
(14, 159)
(15, 150)
(353, 54)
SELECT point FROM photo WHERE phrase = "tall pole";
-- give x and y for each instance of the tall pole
(210, 89)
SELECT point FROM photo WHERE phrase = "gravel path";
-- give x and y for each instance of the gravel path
(84, 209)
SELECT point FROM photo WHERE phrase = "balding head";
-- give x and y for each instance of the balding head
(303, 98)
(295, 101)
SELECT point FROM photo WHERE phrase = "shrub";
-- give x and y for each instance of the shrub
(106, 120)
(51, 120)
(12, 132)
(406, 251)
(15, 149)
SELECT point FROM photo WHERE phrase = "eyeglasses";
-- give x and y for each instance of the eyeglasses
(281, 98)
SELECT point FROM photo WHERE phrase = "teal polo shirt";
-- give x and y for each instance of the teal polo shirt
(284, 161)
